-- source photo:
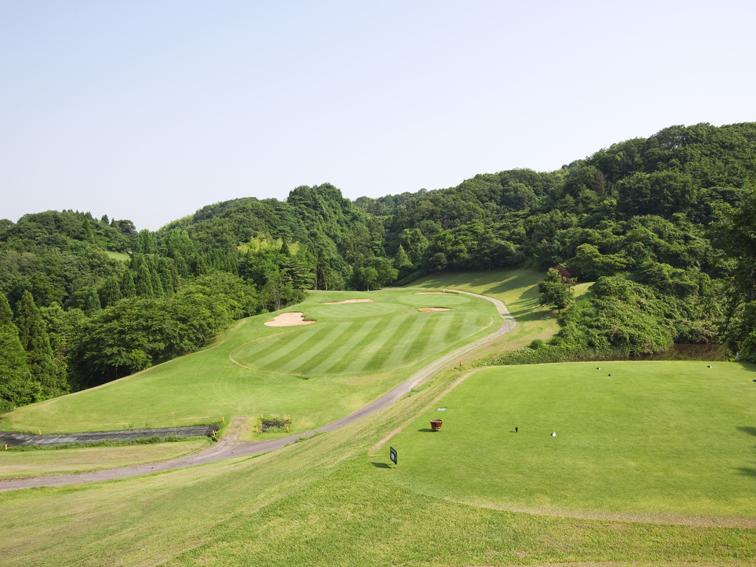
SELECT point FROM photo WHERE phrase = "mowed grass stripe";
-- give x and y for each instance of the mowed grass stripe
(250, 354)
(417, 347)
(379, 338)
(395, 356)
(393, 335)
(353, 354)
(313, 345)
(469, 326)
(357, 333)
(444, 327)
(291, 353)
(452, 333)
(327, 348)
(288, 342)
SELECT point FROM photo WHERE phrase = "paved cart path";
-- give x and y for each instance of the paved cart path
(230, 446)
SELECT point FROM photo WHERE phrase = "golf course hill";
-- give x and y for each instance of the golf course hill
(528, 368)
(590, 462)
(339, 351)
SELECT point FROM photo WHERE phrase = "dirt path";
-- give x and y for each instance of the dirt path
(230, 446)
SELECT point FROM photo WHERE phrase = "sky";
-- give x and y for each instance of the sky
(148, 110)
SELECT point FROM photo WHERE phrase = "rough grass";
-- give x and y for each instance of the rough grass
(655, 438)
(327, 501)
(312, 374)
(324, 502)
(20, 464)
(356, 517)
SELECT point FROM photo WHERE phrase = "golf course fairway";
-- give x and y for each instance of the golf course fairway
(309, 374)
(648, 438)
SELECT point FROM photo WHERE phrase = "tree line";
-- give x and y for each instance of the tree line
(663, 225)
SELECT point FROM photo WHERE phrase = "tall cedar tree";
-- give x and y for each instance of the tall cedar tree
(46, 372)
(15, 378)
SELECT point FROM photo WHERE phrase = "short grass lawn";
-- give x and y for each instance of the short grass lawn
(518, 289)
(654, 437)
(310, 374)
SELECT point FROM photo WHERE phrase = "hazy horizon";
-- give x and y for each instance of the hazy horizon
(151, 111)
(345, 192)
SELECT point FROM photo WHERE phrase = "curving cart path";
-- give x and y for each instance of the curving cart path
(229, 446)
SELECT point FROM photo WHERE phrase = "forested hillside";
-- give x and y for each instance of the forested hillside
(665, 226)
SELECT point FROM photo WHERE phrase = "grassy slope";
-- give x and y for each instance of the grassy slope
(119, 256)
(312, 373)
(18, 464)
(656, 437)
(322, 502)
(518, 289)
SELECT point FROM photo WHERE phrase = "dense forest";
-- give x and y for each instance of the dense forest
(665, 226)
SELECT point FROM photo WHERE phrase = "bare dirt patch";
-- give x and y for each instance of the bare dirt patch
(432, 309)
(292, 319)
(364, 300)
(274, 424)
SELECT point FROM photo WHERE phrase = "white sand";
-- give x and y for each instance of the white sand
(432, 309)
(348, 301)
(292, 319)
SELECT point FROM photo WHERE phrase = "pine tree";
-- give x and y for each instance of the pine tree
(15, 378)
(91, 301)
(168, 275)
(45, 371)
(143, 281)
(157, 284)
(110, 292)
(146, 243)
(200, 265)
(128, 288)
(402, 260)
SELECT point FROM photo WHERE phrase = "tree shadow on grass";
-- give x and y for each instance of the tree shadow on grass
(747, 429)
(747, 471)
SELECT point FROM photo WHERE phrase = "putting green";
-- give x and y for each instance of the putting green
(655, 438)
(311, 374)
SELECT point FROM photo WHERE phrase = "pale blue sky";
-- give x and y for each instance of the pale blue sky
(150, 109)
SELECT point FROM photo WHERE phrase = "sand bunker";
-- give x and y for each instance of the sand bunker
(348, 301)
(288, 320)
(432, 309)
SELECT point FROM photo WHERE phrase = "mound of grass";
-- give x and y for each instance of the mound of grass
(314, 373)
(634, 437)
